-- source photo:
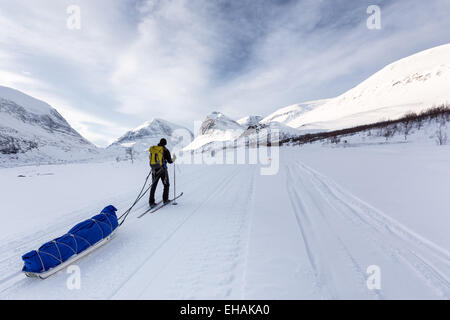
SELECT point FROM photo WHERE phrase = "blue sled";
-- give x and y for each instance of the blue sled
(81, 240)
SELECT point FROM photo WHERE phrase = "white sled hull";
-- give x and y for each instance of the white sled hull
(74, 258)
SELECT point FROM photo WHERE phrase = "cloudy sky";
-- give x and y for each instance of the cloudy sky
(134, 60)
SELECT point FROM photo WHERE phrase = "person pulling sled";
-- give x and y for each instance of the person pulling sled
(159, 158)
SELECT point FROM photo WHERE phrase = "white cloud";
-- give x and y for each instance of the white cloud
(11, 79)
(135, 60)
(166, 68)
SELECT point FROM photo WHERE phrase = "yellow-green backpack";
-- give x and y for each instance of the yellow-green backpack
(156, 156)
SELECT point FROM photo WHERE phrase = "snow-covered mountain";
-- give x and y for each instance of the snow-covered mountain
(217, 121)
(150, 133)
(291, 114)
(216, 128)
(249, 121)
(31, 131)
(262, 133)
(412, 84)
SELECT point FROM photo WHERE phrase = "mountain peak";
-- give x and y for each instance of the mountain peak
(249, 121)
(218, 121)
(33, 131)
(154, 122)
(216, 115)
(150, 132)
(29, 103)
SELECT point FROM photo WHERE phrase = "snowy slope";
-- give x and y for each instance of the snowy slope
(290, 115)
(249, 121)
(31, 104)
(31, 131)
(150, 133)
(413, 84)
(216, 128)
(308, 232)
(270, 132)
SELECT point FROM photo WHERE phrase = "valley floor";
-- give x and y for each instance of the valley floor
(309, 232)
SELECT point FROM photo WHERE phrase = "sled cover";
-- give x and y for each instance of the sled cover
(79, 238)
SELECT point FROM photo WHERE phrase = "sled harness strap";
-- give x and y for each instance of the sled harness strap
(139, 197)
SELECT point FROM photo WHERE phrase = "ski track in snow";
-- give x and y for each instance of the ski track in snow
(170, 228)
(11, 250)
(227, 240)
(203, 246)
(324, 206)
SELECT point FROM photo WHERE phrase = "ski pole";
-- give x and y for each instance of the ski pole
(174, 186)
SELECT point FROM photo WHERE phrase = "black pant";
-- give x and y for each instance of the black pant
(162, 174)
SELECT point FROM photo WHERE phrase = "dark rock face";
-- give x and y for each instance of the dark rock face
(11, 145)
(207, 125)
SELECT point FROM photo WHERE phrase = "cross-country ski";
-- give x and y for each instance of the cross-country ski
(160, 205)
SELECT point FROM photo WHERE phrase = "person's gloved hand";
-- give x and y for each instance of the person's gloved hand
(174, 158)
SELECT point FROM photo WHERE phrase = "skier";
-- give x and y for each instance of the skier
(159, 157)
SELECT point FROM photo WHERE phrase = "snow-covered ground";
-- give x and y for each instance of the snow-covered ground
(310, 231)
